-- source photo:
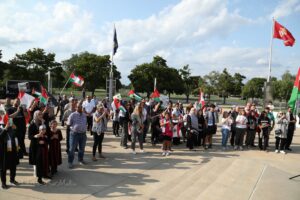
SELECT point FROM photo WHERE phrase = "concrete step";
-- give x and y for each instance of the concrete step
(236, 182)
(198, 177)
(276, 185)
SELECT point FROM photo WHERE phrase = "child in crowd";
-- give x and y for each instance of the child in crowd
(55, 136)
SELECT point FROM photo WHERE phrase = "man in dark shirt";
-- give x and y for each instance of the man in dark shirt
(19, 113)
(61, 107)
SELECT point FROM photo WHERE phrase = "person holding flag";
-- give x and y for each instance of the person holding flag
(18, 113)
(292, 111)
(291, 129)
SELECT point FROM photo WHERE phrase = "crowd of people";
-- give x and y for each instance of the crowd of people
(195, 126)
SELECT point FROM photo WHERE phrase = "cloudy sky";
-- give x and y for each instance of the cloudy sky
(206, 34)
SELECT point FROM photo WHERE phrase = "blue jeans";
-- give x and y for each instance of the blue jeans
(76, 139)
(225, 135)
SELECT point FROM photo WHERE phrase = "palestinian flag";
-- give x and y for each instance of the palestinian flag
(117, 96)
(76, 80)
(201, 100)
(43, 97)
(25, 98)
(134, 95)
(116, 104)
(295, 93)
(155, 95)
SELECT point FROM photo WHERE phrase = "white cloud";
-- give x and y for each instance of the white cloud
(40, 7)
(286, 8)
(182, 34)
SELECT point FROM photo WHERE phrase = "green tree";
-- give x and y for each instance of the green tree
(282, 89)
(93, 68)
(225, 85)
(238, 84)
(211, 81)
(253, 88)
(35, 63)
(185, 74)
(168, 79)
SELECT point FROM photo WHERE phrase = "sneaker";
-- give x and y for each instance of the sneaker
(283, 152)
(133, 152)
(241, 148)
(163, 154)
(70, 165)
(82, 162)
(168, 153)
(94, 159)
(14, 183)
(142, 151)
(223, 148)
(235, 147)
(276, 151)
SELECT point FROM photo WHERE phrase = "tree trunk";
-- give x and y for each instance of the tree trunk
(187, 98)
(169, 95)
(224, 100)
(93, 92)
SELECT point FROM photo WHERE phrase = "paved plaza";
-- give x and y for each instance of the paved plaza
(200, 174)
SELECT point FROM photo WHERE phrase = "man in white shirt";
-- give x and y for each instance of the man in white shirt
(89, 108)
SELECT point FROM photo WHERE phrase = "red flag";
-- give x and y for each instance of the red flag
(280, 32)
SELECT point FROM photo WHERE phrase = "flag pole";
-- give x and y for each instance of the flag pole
(271, 48)
(66, 83)
(154, 83)
(111, 75)
(267, 85)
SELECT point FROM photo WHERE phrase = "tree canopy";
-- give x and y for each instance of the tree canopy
(168, 79)
(93, 68)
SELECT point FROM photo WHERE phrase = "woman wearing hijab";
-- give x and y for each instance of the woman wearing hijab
(34, 148)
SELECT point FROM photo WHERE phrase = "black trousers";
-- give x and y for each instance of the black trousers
(98, 139)
(281, 141)
(191, 139)
(155, 134)
(13, 169)
(233, 132)
(116, 126)
(124, 134)
(289, 139)
(145, 130)
(250, 137)
(200, 138)
(266, 139)
(89, 120)
(21, 140)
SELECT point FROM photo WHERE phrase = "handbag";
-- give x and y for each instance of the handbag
(278, 132)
